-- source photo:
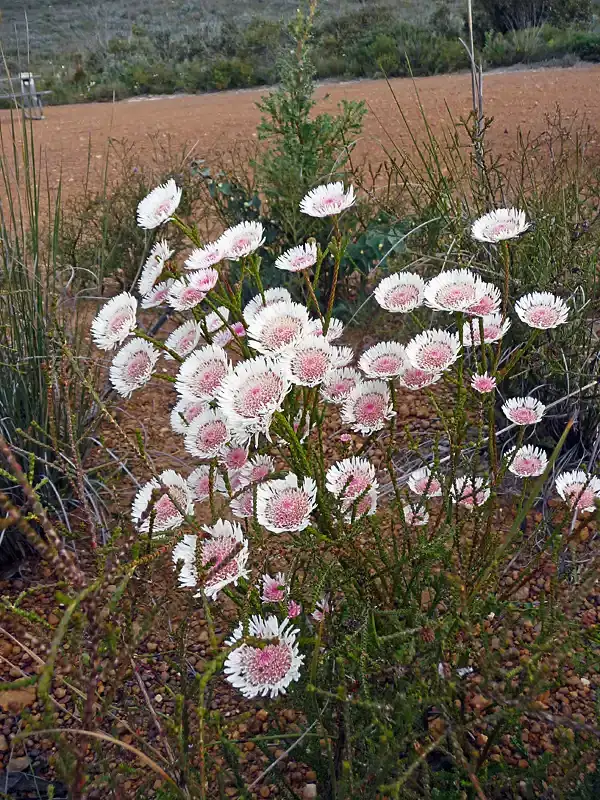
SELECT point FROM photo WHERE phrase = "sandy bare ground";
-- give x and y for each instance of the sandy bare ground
(216, 122)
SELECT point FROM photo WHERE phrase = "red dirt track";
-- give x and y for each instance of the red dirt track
(215, 122)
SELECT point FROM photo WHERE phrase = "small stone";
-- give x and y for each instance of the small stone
(17, 699)
(152, 647)
(264, 791)
(311, 775)
(19, 764)
(60, 693)
(3, 744)
(310, 791)
(53, 620)
(158, 698)
(262, 714)
(523, 764)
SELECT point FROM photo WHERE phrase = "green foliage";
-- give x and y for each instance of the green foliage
(509, 15)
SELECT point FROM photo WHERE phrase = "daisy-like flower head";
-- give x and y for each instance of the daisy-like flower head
(159, 206)
(202, 373)
(294, 609)
(334, 331)
(415, 516)
(207, 435)
(493, 329)
(401, 292)
(368, 407)
(454, 290)
(351, 477)
(542, 310)
(499, 225)
(241, 240)
(234, 457)
(276, 295)
(527, 461)
(278, 327)
(199, 483)
(298, 258)
(354, 508)
(425, 483)
(342, 356)
(434, 350)
(214, 321)
(187, 292)
(523, 410)
(257, 469)
(309, 361)
(284, 504)
(483, 383)
(184, 339)
(242, 505)
(269, 669)
(133, 366)
(154, 265)
(274, 588)
(115, 321)
(162, 513)
(327, 200)
(250, 394)
(469, 493)
(579, 490)
(322, 608)
(384, 360)
(488, 301)
(414, 379)
(338, 383)
(204, 257)
(158, 295)
(185, 411)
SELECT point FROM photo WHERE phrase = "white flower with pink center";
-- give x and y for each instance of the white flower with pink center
(207, 435)
(277, 327)
(527, 461)
(342, 356)
(523, 410)
(309, 361)
(242, 505)
(185, 411)
(285, 504)
(494, 328)
(234, 457)
(368, 407)
(488, 302)
(327, 200)
(338, 383)
(415, 516)
(579, 490)
(269, 669)
(298, 258)
(202, 373)
(241, 240)
(271, 296)
(224, 556)
(294, 609)
(425, 483)
(159, 206)
(384, 360)
(199, 483)
(355, 508)
(434, 350)
(250, 394)
(351, 477)
(322, 609)
(188, 292)
(542, 310)
(158, 295)
(483, 383)
(414, 379)
(115, 321)
(161, 503)
(133, 366)
(214, 321)
(184, 339)
(274, 588)
(334, 330)
(454, 290)
(499, 225)
(204, 257)
(257, 469)
(154, 265)
(401, 292)
(469, 492)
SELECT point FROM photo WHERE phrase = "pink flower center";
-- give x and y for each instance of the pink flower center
(202, 487)
(428, 486)
(415, 378)
(456, 296)
(164, 209)
(165, 508)
(246, 503)
(543, 316)
(273, 592)
(281, 332)
(386, 365)
(485, 305)
(259, 473)
(523, 416)
(186, 343)
(215, 551)
(527, 465)
(435, 356)
(311, 365)
(501, 230)
(161, 295)
(402, 296)
(357, 485)
(484, 384)
(342, 387)
(258, 395)
(208, 378)
(289, 509)
(193, 410)
(269, 665)
(139, 366)
(191, 296)
(370, 408)
(579, 497)
(120, 320)
(212, 435)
